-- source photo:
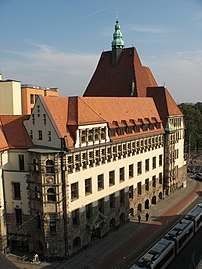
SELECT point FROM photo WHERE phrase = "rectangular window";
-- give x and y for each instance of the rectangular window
(121, 174)
(18, 216)
(111, 178)
(16, 191)
(131, 171)
(21, 162)
(139, 188)
(31, 98)
(88, 186)
(100, 182)
(31, 134)
(89, 211)
(153, 162)
(147, 184)
(40, 135)
(130, 192)
(49, 135)
(52, 225)
(44, 119)
(160, 160)
(146, 165)
(139, 168)
(75, 217)
(112, 200)
(74, 191)
(154, 181)
(83, 136)
(160, 178)
(122, 197)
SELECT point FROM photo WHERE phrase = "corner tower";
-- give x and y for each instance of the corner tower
(117, 44)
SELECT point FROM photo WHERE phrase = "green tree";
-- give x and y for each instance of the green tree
(193, 124)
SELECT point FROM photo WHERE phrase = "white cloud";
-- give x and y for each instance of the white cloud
(182, 74)
(50, 67)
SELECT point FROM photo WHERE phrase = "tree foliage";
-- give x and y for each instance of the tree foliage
(193, 124)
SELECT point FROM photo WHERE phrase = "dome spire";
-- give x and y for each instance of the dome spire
(117, 41)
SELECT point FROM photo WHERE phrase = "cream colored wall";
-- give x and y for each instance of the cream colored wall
(39, 125)
(11, 174)
(13, 160)
(180, 160)
(10, 98)
(11, 203)
(104, 169)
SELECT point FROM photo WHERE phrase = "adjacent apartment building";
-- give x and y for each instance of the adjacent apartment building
(93, 161)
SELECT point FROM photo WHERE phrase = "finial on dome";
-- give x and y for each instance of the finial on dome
(117, 41)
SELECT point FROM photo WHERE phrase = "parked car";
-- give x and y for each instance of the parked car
(199, 176)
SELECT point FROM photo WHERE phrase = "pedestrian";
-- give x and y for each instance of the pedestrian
(147, 216)
(139, 218)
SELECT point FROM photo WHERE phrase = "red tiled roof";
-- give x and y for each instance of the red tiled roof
(70, 112)
(117, 80)
(124, 108)
(14, 132)
(164, 102)
(3, 142)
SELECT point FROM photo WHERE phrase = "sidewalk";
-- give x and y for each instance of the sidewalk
(129, 240)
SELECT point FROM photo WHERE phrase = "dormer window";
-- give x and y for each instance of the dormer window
(151, 126)
(121, 131)
(137, 129)
(112, 132)
(145, 127)
(129, 129)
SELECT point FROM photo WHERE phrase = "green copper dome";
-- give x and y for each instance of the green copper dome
(117, 37)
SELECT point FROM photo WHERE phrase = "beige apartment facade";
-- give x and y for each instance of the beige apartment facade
(30, 93)
(10, 97)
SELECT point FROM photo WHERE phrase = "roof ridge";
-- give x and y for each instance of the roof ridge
(81, 98)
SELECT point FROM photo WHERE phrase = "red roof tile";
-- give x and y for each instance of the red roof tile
(69, 113)
(14, 131)
(119, 80)
(164, 102)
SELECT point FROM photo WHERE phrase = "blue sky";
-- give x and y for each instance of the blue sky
(57, 43)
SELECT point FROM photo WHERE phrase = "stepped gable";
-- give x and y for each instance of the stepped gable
(15, 132)
(118, 80)
(57, 108)
(164, 102)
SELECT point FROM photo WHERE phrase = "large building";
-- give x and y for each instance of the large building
(17, 99)
(93, 161)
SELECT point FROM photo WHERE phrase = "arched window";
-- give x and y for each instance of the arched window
(50, 169)
(51, 195)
